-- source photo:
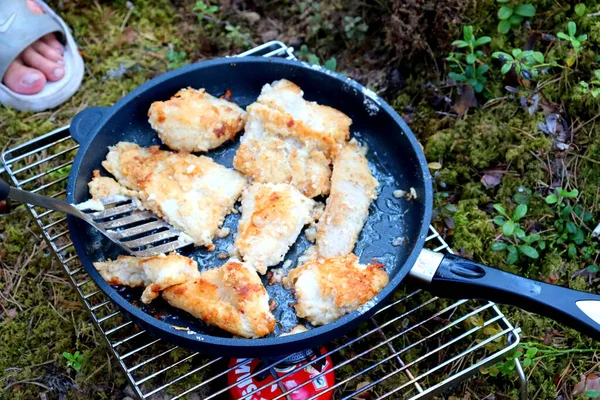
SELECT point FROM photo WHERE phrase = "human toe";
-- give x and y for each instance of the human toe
(51, 69)
(50, 40)
(22, 79)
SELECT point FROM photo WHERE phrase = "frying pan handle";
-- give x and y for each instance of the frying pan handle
(84, 122)
(4, 189)
(460, 278)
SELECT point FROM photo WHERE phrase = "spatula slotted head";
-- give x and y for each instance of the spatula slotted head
(139, 232)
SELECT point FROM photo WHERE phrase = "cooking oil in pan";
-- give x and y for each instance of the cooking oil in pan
(382, 239)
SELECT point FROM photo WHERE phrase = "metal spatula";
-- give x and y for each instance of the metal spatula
(140, 233)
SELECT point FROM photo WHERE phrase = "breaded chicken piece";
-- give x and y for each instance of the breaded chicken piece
(231, 297)
(272, 217)
(193, 120)
(324, 127)
(329, 288)
(102, 187)
(290, 140)
(155, 273)
(353, 188)
(192, 193)
(267, 157)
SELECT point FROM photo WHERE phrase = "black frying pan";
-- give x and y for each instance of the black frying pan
(398, 162)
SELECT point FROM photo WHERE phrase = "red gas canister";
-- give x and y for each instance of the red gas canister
(243, 383)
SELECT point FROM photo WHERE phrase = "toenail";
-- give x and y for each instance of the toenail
(58, 72)
(61, 62)
(30, 78)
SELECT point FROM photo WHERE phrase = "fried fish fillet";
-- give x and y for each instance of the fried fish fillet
(272, 217)
(192, 193)
(319, 126)
(231, 297)
(353, 188)
(102, 187)
(290, 140)
(327, 289)
(155, 273)
(193, 120)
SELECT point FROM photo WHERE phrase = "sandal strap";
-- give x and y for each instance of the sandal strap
(19, 28)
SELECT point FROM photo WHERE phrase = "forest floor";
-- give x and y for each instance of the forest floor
(512, 140)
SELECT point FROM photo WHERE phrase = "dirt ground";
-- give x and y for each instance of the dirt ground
(512, 142)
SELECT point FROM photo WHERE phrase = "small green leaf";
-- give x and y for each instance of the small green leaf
(570, 195)
(519, 212)
(542, 244)
(563, 36)
(580, 9)
(501, 210)
(498, 220)
(587, 216)
(520, 233)
(505, 12)
(471, 58)
(512, 255)
(498, 246)
(516, 52)
(579, 236)
(572, 28)
(482, 40)
(571, 227)
(457, 77)
(572, 252)
(529, 251)
(582, 38)
(592, 269)
(551, 199)
(515, 19)
(478, 86)
(460, 44)
(504, 26)
(527, 362)
(531, 352)
(538, 56)
(468, 32)
(566, 212)
(313, 59)
(331, 64)
(526, 10)
(508, 228)
(505, 68)
(506, 56)
(482, 69)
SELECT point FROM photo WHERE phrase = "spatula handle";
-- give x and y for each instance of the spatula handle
(8, 192)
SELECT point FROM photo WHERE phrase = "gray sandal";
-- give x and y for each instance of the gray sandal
(19, 28)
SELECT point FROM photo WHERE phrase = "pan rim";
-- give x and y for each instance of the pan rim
(213, 344)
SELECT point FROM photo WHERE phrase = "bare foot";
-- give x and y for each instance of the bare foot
(39, 63)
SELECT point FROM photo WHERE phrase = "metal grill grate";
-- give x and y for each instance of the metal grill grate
(415, 347)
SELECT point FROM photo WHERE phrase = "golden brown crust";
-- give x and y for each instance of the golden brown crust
(193, 120)
(155, 273)
(272, 218)
(353, 188)
(329, 288)
(231, 297)
(192, 193)
(290, 140)
(102, 187)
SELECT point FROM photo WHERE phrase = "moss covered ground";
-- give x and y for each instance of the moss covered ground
(514, 142)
